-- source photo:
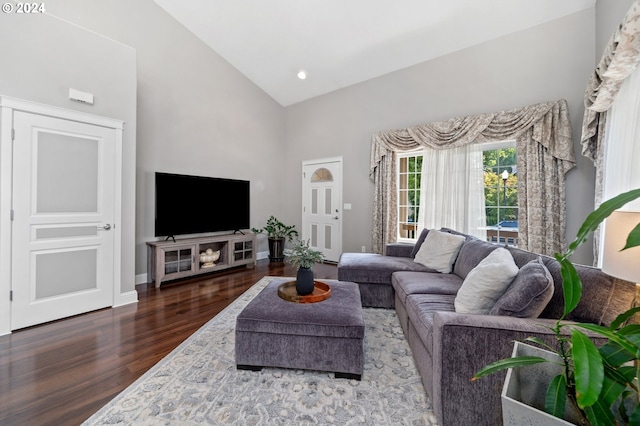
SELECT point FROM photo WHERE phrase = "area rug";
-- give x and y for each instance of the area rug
(197, 383)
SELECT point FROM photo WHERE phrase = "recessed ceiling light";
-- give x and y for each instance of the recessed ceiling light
(302, 75)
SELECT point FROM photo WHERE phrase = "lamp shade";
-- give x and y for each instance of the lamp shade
(622, 264)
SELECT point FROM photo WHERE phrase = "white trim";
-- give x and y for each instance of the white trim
(6, 178)
(58, 112)
(126, 298)
(141, 279)
(262, 255)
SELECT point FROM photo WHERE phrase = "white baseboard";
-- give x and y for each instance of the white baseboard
(126, 298)
(262, 255)
(141, 279)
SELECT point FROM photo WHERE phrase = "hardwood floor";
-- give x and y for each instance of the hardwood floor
(62, 372)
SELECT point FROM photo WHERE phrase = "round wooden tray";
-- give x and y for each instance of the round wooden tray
(321, 291)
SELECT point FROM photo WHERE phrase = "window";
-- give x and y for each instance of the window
(409, 169)
(501, 193)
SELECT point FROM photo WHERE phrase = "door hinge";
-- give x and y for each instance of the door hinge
(10, 295)
(13, 134)
(12, 214)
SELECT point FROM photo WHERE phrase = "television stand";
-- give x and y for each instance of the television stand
(170, 260)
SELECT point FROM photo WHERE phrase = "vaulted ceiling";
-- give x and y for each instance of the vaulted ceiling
(339, 43)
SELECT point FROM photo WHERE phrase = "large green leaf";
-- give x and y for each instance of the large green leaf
(503, 364)
(589, 370)
(611, 335)
(596, 217)
(634, 238)
(600, 414)
(556, 398)
(571, 285)
(614, 354)
(611, 388)
(634, 418)
(623, 317)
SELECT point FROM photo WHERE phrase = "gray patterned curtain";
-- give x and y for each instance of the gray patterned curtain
(545, 154)
(620, 58)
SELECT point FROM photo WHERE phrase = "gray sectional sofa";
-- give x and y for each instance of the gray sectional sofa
(448, 346)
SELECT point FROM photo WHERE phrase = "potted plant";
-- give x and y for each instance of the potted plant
(277, 232)
(303, 257)
(600, 383)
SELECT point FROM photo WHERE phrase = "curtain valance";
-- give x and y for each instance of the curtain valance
(620, 58)
(549, 120)
(545, 154)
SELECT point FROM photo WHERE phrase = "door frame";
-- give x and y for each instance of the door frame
(305, 195)
(7, 107)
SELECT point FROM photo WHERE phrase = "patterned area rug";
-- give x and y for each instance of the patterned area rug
(197, 383)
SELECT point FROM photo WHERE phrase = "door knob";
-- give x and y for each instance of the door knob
(106, 227)
(336, 217)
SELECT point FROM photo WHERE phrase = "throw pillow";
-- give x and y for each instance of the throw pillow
(485, 283)
(528, 294)
(439, 251)
(419, 242)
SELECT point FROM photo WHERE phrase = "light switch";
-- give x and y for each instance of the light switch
(347, 206)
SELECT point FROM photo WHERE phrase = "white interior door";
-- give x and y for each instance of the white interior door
(63, 206)
(322, 206)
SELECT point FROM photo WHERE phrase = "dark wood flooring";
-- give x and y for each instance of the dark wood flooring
(60, 373)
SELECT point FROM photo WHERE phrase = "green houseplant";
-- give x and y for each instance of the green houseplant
(303, 257)
(277, 232)
(602, 383)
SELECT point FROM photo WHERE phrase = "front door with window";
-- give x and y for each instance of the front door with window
(321, 206)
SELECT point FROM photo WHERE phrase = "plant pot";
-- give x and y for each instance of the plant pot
(304, 281)
(276, 249)
(525, 388)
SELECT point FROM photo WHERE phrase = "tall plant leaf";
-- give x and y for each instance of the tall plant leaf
(589, 370)
(634, 238)
(623, 317)
(503, 364)
(600, 414)
(596, 217)
(571, 285)
(556, 399)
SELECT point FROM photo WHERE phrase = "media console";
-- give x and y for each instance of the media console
(170, 260)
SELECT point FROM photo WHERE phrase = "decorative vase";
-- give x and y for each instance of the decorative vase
(525, 387)
(304, 281)
(276, 249)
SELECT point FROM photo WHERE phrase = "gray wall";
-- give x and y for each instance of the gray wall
(544, 63)
(196, 113)
(42, 57)
(609, 14)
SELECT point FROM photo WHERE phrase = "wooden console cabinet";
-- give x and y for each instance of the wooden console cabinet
(170, 260)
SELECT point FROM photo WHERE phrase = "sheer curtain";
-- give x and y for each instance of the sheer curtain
(618, 62)
(622, 145)
(452, 190)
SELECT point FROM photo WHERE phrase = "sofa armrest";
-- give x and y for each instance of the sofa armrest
(398, 249)
(462, 345)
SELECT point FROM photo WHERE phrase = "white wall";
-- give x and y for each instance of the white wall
(43, 56)
(196, 113)
(544, 63)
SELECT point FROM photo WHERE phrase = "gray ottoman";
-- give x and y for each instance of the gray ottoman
(326, 336)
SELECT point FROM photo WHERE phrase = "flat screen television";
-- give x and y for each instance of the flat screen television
(197, 204)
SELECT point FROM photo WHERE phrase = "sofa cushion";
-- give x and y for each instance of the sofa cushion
(419, 242)
(407, 283)
(486, 283)
(471, 253)
(528, 294)
(420, 310)
(374, 268)
(439, 251)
